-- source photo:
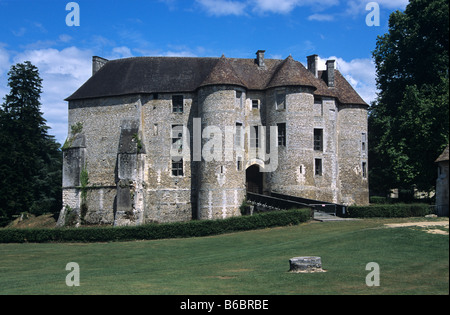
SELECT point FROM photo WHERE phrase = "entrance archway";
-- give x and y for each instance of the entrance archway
(254, 179)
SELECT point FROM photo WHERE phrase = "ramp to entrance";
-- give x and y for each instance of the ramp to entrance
(320, 211)
(268, 203)
(320, 206)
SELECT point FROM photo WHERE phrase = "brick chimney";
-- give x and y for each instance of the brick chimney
(330, 72)
(97, 63)
(313, 65)
(260, 59)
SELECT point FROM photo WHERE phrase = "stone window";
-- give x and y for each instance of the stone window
(239, 99)
(177, 137)
(364, 169)
(318, 167)
(318, 139)
(238, 137)
(363, 142)
(177, 167)
(177, 103)
(318, 107)
(281, 134)
(255, 104)
(254, 136)
(239, 163)
(280, 99)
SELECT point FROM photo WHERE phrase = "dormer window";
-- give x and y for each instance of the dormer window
(177, 103)
(239, 99)
(280, 100)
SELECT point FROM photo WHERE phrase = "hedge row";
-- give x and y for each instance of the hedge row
(156, 231)
(398, 210)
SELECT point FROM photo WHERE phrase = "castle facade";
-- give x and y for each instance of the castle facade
(163, 139)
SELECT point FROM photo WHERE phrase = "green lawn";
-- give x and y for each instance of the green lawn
(255, 262)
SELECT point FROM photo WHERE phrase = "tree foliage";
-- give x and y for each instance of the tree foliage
(30, 158)
(409, 122)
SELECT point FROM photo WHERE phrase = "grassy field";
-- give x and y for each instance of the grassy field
(411, 261)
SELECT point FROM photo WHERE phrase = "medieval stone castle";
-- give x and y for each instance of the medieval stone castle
(163, 139)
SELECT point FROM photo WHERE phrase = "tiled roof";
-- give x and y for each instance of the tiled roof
(223, 73)
(292, 72)
(443, 156)
(143, 75)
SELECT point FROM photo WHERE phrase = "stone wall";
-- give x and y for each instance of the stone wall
(221, 186)
(126, 144)
(168, 197)
(353, 154)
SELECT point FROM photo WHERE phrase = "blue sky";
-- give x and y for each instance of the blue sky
(36, 30)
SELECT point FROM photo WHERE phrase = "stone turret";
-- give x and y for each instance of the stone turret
(221, 185)
(140, 116)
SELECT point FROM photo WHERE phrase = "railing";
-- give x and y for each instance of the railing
(328, 207)
(268, 203)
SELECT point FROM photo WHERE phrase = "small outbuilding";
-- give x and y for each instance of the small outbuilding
(442, 184)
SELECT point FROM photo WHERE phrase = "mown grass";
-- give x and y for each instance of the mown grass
(254, 262)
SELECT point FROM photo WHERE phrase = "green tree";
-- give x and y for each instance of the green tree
(30, 158)
(409, 122)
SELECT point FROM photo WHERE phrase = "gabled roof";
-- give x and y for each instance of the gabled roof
(223, 73)
(444, 156)
(343, 91)
(146, 75)
(292, 72)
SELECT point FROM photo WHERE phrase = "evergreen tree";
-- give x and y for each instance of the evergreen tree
(409, 122)
(30, 159)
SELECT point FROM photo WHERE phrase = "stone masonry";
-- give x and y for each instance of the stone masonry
(166, 139)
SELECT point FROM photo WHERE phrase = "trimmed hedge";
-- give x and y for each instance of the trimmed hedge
(398, 210)
(156, 231)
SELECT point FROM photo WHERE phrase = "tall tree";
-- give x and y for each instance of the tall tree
(409, 122)
(30, 159)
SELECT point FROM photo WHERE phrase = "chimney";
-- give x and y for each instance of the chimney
(97, 63)
(330, 73)
(260, 59)
(313, 65)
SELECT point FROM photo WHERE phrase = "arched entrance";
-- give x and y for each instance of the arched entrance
(254, 179)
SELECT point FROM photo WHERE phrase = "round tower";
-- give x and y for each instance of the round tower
(290, 108)
(221, 174)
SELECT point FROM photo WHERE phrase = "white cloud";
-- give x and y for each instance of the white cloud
(182, 53)
(4, 68)
(243, 7)
(277, 6)
(20, 32)
(357, 7)
(392, 4)
(223, 7)
(4, 59)
(120, 52)
(65, 38)
(63, 72)
(320, 17)
(286, 6)
(360, 73)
